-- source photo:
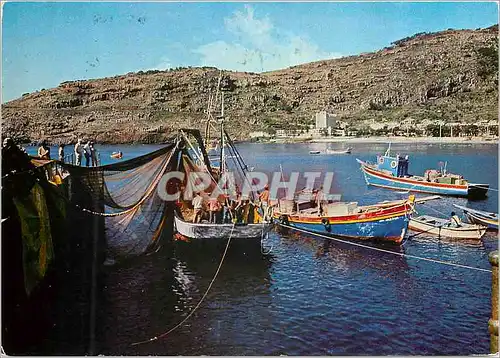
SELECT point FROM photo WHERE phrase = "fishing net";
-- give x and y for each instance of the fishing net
(125, 196)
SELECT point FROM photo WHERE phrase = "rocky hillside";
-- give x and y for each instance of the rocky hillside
(449, 75)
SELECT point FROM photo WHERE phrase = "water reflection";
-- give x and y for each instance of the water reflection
(313, 296)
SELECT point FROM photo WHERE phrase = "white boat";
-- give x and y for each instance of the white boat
(441, 227)
(314, 152)
(343, 151)
(216, 231)
(480, 217)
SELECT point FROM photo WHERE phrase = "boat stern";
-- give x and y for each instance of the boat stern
(477, 191)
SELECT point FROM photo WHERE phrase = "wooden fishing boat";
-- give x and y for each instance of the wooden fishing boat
(441, 227)
(216, 231)
(485, 218)
(384, 221)
(344, 151)
(385, 174)
(255, 230)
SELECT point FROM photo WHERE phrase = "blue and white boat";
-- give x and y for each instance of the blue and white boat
(383, 221)
(385, 174)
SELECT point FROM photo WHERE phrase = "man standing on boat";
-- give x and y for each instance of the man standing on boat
(399, 161)
(264, 201)
(320, 199)
(198, 207)
(404, 169)
(213, 209)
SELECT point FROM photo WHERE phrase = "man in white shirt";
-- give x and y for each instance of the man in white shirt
(198, 207)
(86, 152)
(78, 152)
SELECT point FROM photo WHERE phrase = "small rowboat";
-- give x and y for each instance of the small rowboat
(344, 151)
(314, 152)
(441, 227)
(116, 155)
(481, 217)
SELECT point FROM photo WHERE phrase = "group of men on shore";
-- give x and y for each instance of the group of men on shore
(223, 210)
(81, 150)
(86, 150)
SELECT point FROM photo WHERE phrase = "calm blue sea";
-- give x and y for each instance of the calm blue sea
(300, 295)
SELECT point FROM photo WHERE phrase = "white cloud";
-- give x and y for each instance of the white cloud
(259, 46)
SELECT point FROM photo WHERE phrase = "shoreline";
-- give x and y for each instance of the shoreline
(378, 139)
(374, 139)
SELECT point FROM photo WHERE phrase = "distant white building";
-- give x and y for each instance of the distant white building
(260, 134)
(325, 120)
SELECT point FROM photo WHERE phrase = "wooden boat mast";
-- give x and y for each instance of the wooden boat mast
(211, 101)
(222, 152)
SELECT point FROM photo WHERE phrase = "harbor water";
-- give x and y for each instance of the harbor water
(295, 294)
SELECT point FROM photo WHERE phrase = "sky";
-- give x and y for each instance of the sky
(44, 44)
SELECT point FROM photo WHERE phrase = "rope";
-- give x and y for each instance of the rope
(387, 251)
(488, 188)
(199, 302)
(262, 233)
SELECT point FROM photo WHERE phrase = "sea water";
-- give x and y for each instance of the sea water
(296, 294)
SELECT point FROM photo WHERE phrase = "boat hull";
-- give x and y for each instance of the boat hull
(466, 231)
(216, 231)
(476, 219)
(389, 224)
(347, 151)
(380, 179)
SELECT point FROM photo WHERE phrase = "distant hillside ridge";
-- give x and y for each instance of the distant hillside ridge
(449, 75)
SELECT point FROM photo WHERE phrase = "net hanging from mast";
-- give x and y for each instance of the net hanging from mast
(125, 196)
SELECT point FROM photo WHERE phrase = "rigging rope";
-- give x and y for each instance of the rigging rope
(146, 195)
(199, 302)
(387, 251)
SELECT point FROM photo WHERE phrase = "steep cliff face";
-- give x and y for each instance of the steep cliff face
(450, 75)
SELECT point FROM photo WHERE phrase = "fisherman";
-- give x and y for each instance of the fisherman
(241, 209)
(93, 154)
(251, 213)
(78, 152)
(264, 201)
(404, 168)
(61, 153)
(87, 153)
(198, 207)
(455, 220)
(213, 208)
(399, 161)
(320, 199)
(44, 151)
(226, 210)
